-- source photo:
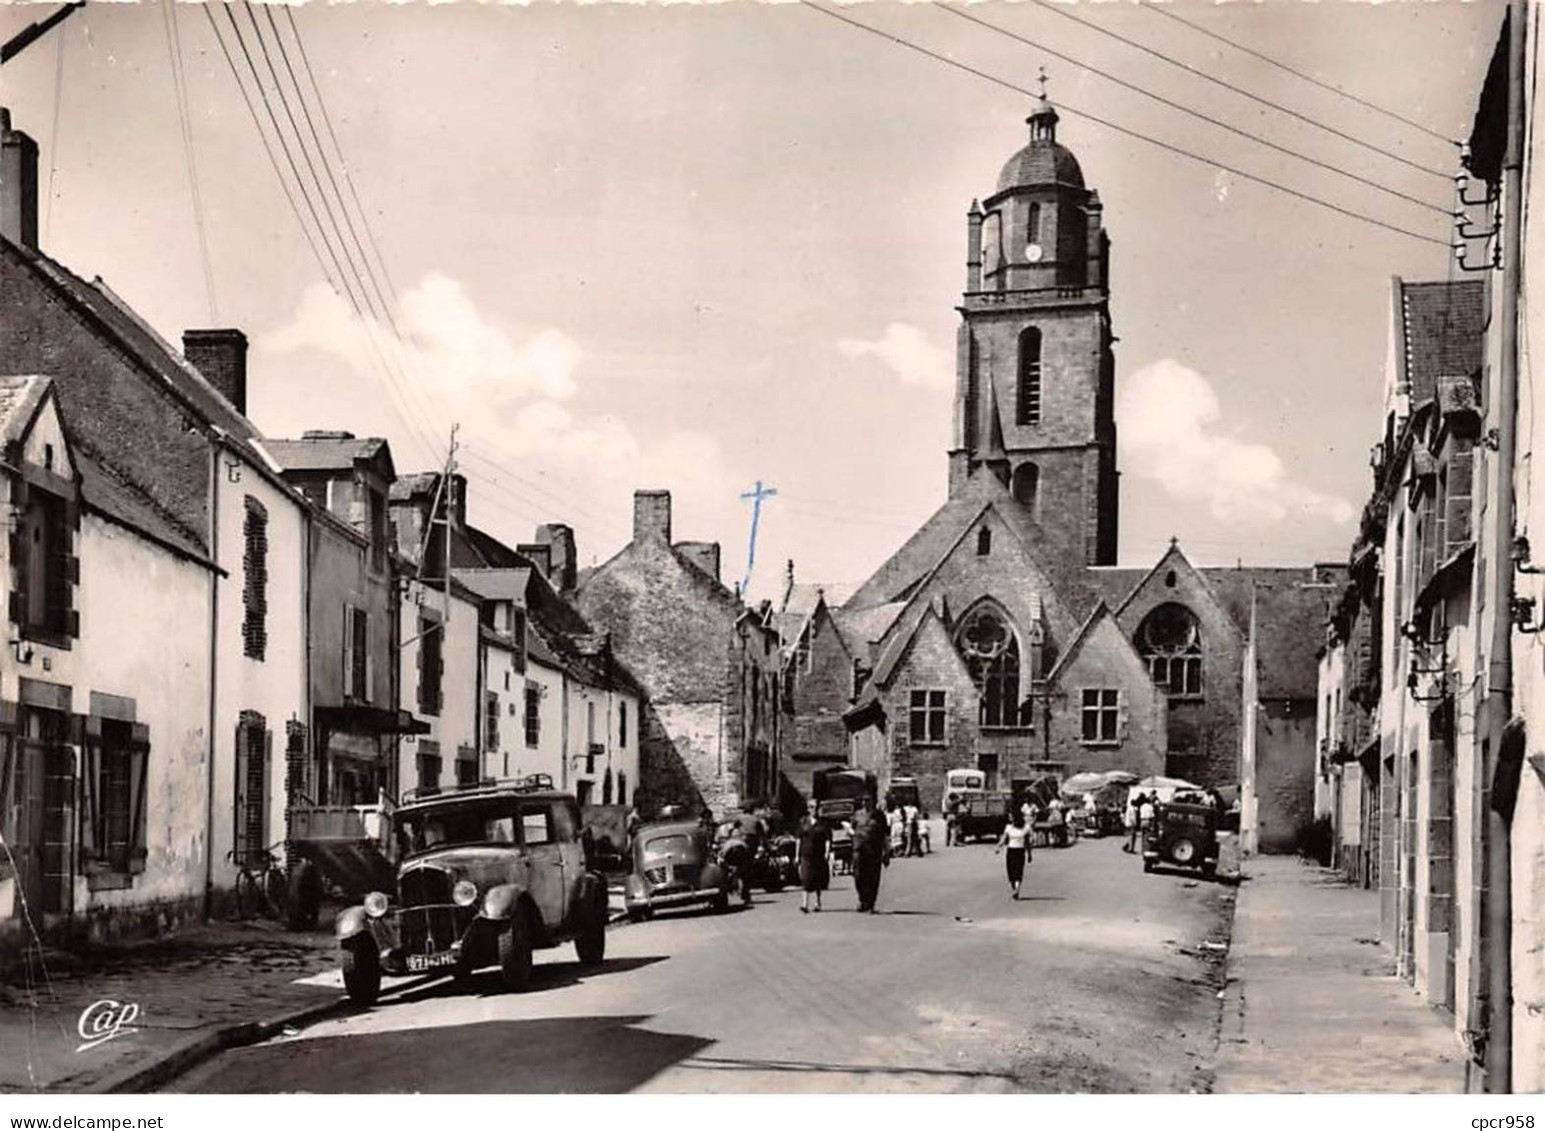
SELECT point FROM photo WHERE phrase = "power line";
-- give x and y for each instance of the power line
(340, 286)
(1306, 118)
(1184, 109)
(421, 400)
(1175, 149)
(180, 91)
(1164, 10)
(345, 273)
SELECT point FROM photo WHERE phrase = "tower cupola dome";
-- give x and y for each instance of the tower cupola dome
(1042, 161)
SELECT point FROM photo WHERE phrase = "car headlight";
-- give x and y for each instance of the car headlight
(464, 893)
(376, 904)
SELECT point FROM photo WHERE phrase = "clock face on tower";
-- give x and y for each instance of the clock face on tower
(1033, 253)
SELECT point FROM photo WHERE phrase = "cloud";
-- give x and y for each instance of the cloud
(1168, 419)
(517, 397)
(909, 355)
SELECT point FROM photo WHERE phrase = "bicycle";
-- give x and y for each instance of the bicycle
(261, 886)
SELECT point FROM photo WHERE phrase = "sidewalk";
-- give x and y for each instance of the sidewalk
(1313, 1004)
(191, 988)
(197, 991)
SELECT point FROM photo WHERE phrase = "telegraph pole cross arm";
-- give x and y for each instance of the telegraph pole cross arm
(756, 495)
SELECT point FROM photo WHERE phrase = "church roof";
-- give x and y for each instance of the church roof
(1289, 619)
(896, 579)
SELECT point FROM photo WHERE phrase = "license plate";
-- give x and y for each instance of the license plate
(430, 961)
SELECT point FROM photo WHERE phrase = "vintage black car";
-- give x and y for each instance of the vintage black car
(673, 866)
(486, 875)
(1183, 833)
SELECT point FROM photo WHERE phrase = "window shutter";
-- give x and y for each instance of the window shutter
(348, 650)
(263, 779)
(92, 847)
(369, 671)
(1121, 717)
(139, 775)
(239, 827)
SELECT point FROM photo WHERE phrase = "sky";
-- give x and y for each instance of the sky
(701, 247)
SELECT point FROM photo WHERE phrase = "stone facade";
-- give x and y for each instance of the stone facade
(710, 669)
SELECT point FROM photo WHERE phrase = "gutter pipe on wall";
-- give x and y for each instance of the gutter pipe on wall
(214, 674)
(1497, 857)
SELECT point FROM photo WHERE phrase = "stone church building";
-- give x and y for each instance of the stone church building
(1001, 635)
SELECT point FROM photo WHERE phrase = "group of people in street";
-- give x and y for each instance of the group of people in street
(1137, 817)
(871, 855)
(908, 831)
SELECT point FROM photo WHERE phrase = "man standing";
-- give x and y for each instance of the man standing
(871, 842)
(1129, 818)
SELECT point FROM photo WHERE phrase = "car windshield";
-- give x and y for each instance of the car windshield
(492, 822)
(661, 845)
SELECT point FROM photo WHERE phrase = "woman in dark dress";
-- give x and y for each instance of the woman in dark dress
(815, 841)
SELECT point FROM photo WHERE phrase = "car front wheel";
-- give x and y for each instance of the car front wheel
(361, 975)
(515, 955)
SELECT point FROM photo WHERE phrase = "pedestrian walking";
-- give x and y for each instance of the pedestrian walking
(952, 821)
(871, 851)
(1129, 819)
(1146, 813)
(1016, 838)
(815, 842)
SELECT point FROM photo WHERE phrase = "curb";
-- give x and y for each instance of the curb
(196, 1050)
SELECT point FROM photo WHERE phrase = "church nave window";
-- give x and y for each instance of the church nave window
(991, 652)
(1028, 401)
(1170, 642)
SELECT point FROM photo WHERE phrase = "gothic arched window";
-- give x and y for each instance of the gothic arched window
(1028, 401)
(991, 651)
(984, 541)
(1170, 641)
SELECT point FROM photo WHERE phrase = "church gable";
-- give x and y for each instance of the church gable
(989, 562)
(1103, 710)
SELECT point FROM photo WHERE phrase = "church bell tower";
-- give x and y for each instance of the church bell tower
(1035, 375)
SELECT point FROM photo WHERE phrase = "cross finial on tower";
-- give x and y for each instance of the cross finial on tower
(1042, 80)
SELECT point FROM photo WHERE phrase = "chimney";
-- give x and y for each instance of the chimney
(220, 356)
(540, 556)
(559, 540)
(651, 515)
(704, 555)
(18, 184)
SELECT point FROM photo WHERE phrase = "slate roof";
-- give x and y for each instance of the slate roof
(1114, 584)
(1234, 585)
(413, 484)
(1443, 326)
(339, 453)
(1289, 619)
(495, 584)
(896, 578)
(120, 500)
(101, 489)
(20, 397)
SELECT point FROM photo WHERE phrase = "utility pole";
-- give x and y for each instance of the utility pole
(1497, 833)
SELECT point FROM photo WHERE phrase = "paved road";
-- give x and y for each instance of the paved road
(1097, 980)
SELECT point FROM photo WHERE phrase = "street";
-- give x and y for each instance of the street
(1097, 980)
